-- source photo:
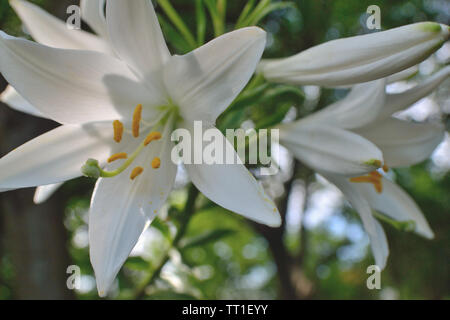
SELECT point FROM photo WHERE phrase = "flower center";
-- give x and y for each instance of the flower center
(92, 168)
(374, 178)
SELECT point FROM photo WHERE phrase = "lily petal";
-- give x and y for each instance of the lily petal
(404, 143)
(121, 208)
(359, 59)
(397, 204)
(378, 240)
(137, 38)
(359, 108)
(400, 101)
(403, 75)
(214, 74)
(56, 156)
(330, 149)
(50, 31)
(13, 99)
(233, 187)
(43, 193)
(71, 86)
(93, 12)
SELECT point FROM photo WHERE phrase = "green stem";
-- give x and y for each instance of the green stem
(407, 226)
(186, 216)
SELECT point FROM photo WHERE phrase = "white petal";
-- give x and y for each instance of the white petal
(397, 204)
(43, 193)
(376, 234)
(121, 208)
(329, 149)
(71, 86)
(360, 107)
(50, 31)
(403, 75)
(13, 99)
(137, 38)
(401, 101)
(93, 12)
(359, 59)
(233, 187)
(205, 82)
(404, 143)
(56, 156)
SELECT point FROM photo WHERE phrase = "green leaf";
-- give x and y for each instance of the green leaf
(249, 97)
(201, 22)
(260, 7)
(217, 18)
(245, 12)
(137, 263)
(173, 36)
(162, 227)
(207, 237)
(178, 22)
(254, 20)
(274, 119)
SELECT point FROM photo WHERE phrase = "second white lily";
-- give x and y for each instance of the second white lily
(366, 112)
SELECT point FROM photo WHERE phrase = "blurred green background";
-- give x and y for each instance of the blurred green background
(321, 252)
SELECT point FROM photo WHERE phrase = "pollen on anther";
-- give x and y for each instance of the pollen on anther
(376, 174)
(156, 163)
(385, 168)
(118, 130)
(137, 116)
(153, 136)
(117, 156)
(136, 172)
(378, 187)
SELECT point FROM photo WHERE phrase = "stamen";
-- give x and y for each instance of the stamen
(117, 156)
(137, 116)
(364, 179)
(385, 168)
(378, 187)
(156, 163)
(373, 178)
(92, 167)
(376, 174)
(153, 136)
(136, 172)
(118, 130)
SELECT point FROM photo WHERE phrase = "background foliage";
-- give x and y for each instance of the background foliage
(321, 252)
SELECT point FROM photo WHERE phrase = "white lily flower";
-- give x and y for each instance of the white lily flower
(50, 31)
(92, 93)
(366, 112)
(358, 59)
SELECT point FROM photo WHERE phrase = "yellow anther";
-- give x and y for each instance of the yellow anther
(156, 163)
(136, 172)
(364, 179)
(376, 174)
(153, 136)
(385, 168)
(117, 156)
(118, 130)
(137, 116)
(378, 186)
(373, 178)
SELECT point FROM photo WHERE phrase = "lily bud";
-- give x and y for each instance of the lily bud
(358, 59)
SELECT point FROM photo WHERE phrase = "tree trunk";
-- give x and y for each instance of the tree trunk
(33, 236)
